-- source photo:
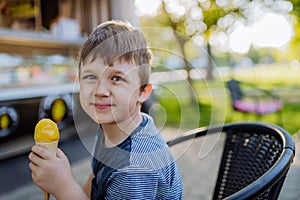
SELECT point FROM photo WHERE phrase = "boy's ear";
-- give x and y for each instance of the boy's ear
(145, 93)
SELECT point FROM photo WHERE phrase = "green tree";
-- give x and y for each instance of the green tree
(295, 50)
(191, 19)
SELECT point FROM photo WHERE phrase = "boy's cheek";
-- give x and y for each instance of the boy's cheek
(85, 92)
(83, 100)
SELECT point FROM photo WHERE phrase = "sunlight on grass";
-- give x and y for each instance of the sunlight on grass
(269, 75)
(213, 105)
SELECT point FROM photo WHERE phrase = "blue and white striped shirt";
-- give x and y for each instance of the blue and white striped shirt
(141, 167)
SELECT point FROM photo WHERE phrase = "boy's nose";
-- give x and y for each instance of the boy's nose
(102, 89)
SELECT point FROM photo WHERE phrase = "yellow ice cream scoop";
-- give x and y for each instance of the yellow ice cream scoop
(46, 135)
(46, 131)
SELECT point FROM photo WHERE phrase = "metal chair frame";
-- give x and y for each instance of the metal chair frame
(263, 142)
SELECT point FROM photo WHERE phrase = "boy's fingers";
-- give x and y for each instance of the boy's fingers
(60, 153)
(32, 166)
(41, 151)
(35, 159)
(31, 156)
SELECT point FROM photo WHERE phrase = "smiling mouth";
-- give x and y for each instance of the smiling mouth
(102, 106)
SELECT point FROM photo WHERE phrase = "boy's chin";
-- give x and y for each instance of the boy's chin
(105, 121)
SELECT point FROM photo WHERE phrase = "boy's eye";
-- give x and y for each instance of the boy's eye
(90, 77)
(116, 78)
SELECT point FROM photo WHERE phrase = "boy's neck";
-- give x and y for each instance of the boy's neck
(115, 134)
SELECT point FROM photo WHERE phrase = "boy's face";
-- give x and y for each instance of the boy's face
(110, 94)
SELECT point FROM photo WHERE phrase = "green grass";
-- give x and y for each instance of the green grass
(182, 113)
(214, 103)
(279, 74)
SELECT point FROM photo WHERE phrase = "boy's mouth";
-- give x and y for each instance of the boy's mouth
(102, 106)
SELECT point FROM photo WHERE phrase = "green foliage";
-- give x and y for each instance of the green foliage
(198, 19)
(296, 8)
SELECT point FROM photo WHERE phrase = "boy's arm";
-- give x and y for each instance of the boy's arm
(87, 186)
(52, 173)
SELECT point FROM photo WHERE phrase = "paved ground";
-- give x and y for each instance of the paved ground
(198, 168)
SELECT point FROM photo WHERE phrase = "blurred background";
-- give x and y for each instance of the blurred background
(198, 46)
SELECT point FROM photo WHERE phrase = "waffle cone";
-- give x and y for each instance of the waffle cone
(51, 146)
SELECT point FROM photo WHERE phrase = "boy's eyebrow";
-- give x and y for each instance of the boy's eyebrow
(86, 70)
(116, 71)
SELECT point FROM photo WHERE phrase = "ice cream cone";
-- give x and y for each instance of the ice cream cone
(51, 146)
(46, 134)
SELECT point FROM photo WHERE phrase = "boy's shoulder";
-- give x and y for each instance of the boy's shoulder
(149, 149)
(148, 135)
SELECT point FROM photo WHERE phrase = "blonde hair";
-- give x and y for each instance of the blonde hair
(118, 41)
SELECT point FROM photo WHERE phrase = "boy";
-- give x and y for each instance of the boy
(131, 160)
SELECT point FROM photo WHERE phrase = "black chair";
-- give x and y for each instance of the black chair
(255, 159)
(254, 100)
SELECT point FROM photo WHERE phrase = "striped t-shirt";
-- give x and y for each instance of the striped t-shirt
(141, 167)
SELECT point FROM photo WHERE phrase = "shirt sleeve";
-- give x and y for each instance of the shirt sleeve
(132, 183)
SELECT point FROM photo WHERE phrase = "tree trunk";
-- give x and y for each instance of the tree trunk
(190, 85)
(209, 74)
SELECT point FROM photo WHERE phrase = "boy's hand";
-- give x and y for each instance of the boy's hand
(52, 173)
